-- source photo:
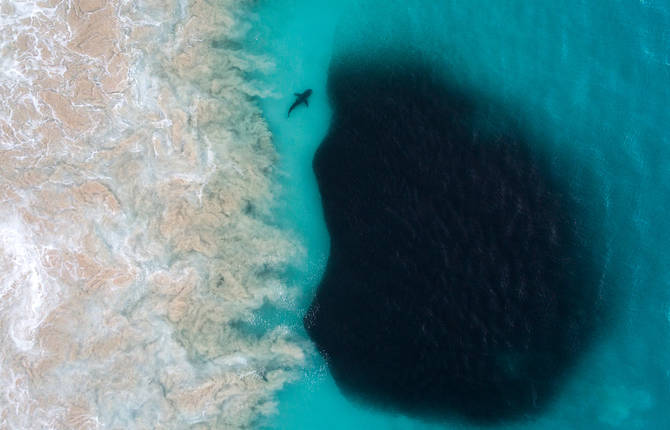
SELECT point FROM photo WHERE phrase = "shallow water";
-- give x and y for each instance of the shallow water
(590, 82)
(134, 236)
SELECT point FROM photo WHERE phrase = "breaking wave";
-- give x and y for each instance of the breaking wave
(130, 153)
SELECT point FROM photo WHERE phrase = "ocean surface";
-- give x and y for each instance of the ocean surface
(589, 82)
(162, 233)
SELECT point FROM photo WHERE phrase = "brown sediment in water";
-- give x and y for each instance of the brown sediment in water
(129, 149)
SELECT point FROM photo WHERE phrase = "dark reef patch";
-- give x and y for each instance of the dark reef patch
(457, 283)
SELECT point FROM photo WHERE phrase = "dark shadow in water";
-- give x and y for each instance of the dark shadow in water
(458, 283)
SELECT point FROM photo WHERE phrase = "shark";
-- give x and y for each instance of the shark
(300, 98)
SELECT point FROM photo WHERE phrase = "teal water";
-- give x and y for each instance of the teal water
(591, 81)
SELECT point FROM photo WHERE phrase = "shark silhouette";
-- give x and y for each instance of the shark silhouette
(301, 98)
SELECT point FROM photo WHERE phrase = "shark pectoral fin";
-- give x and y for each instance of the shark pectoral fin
(306, 104)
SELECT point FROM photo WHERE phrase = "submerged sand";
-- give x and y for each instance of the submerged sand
(133, 169)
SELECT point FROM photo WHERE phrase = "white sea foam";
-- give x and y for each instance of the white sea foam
(27, 295)
(129, 150)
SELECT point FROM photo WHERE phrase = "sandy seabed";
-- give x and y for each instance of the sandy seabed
(133, 169)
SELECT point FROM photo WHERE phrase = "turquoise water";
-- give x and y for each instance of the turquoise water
(591, 81)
